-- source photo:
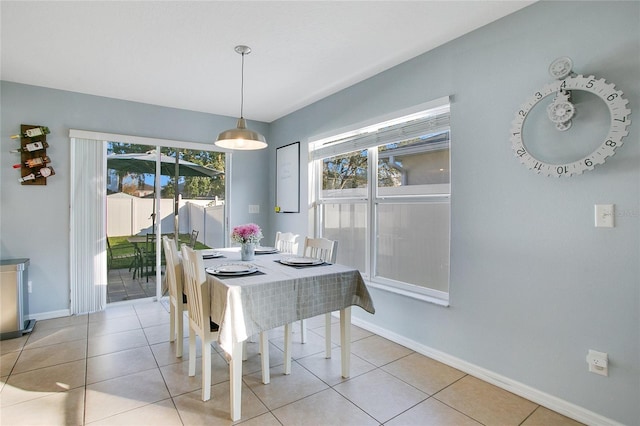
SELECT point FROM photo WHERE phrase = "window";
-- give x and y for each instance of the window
(384, 193)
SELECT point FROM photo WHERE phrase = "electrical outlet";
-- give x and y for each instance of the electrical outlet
(254, 208)
(604, 214)
(598, 362)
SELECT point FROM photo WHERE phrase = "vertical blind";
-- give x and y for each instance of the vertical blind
(88, 262)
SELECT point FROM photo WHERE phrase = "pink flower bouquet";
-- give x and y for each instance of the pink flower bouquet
(249, 233)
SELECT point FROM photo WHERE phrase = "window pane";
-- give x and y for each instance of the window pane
(345, 175)
(414, 167)
(413, 244)
(347, 223)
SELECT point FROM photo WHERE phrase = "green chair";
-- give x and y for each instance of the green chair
(120, 254)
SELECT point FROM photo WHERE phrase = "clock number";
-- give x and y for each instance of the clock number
(538, 95)
(562, 169)
(538, 166)
(522, 113)
(590, 84)
(610, 143)
(612, 96)
(624, 119)
(520, 152)
(564, 84)
(588, 162)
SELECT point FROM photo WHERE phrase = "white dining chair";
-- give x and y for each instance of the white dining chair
(327, 250)
(199, 316)
(177, 298)
(200, 322)
(286, 242)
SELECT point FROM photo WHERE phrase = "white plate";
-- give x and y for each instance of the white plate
(210, 254)
(266, 250)
(301, 261)
(232, 269)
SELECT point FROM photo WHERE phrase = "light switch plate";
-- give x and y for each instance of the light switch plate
(604, 214)
(254, 208)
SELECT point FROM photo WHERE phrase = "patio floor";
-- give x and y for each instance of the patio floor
(121, 286)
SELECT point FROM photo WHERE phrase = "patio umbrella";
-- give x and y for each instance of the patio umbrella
(169, 166)
(146, 163)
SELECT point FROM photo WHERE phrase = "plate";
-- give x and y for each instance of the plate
(232, 269)
(210, 254)
(301, 261)
(266, 250)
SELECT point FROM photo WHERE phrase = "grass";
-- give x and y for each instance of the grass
(121, 247)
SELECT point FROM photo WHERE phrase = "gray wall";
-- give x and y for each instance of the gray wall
(34, 220)
(533, 284)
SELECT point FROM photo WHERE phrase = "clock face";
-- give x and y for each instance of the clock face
(558, 111)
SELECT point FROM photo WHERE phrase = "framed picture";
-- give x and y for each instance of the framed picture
(288, 178)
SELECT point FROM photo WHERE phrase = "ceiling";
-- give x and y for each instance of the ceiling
(181, 54)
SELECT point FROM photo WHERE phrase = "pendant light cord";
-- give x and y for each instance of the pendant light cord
(242, 89)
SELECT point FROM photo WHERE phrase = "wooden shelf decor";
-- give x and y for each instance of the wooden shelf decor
(40, 155)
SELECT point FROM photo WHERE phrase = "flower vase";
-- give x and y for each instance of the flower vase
(247, 251)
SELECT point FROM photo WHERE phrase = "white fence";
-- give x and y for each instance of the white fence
(127, 215)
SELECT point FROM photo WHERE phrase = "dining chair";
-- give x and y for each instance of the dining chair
(177, 298)
(200, 322)
(327, 250)
(286, 242)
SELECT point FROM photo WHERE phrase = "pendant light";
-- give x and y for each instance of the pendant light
(241, 137)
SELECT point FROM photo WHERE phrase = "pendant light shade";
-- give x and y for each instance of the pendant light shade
(241, 137)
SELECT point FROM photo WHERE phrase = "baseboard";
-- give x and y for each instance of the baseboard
(551, 402)
(50, 315)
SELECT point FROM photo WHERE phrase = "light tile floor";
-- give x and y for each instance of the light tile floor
(117, 367)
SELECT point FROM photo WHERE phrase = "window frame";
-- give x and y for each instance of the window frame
(373, 200)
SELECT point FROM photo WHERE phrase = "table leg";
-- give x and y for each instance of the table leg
(345, 341)
(327, 337)
(264, 356)
(287, 348)
(235, 381)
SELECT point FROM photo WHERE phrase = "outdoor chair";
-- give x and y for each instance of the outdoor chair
(147, 253)
(193, 238)
(177, 298)
(116, 254)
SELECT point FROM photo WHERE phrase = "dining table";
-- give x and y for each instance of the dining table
(273, 295)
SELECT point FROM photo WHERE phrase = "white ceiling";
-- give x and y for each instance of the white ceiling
(181, 53)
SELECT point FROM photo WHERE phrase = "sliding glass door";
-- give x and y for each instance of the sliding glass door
(154, 191)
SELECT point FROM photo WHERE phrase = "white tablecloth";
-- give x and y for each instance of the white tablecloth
(246, 305)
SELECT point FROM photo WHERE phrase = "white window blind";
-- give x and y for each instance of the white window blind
(436, 121)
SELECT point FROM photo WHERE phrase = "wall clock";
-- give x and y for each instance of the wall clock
(560, 111)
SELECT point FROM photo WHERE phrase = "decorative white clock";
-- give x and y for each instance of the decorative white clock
(560, 111)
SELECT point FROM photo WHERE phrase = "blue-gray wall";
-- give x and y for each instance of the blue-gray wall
(533, 284)
(34, 220)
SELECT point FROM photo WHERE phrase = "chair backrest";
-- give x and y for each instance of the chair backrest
(197, 290)
(175, 273)
(320, 248)
(109, 251)
(150, 245)
(193, 238)
(286, 242)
